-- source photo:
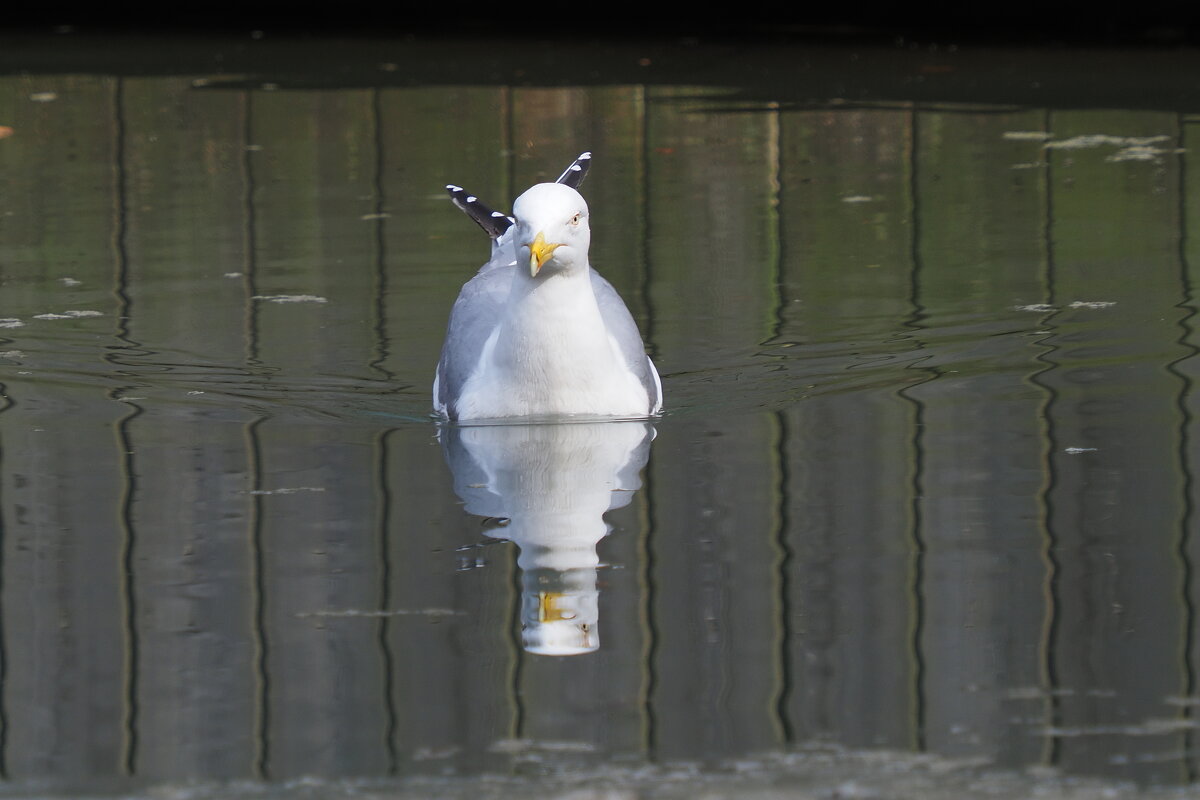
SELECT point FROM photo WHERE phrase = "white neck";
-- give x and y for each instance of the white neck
(552, 324)
(553, 336)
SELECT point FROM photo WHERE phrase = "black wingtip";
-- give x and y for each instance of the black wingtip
(574, 174)
(494, 223)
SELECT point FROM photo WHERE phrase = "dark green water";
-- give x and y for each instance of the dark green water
(925, 484)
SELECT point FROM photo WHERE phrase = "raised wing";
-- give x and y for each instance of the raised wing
(574, 174)
(493, 223)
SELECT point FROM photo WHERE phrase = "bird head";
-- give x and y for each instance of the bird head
(552, 228)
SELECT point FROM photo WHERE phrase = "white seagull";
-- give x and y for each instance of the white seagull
(537, 332)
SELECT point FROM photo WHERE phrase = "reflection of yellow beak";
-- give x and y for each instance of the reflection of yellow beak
(550, 607)
(539, 254)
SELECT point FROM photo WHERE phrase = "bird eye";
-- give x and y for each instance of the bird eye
(575, 219)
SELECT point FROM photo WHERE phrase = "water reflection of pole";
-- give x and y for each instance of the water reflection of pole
(259, 767)
(249, 232)
(1184, 542)
(515, 655)
(383, 515)
(646, 551)
(1049, 670)
(124, 442)
(6, 403)
(515, 650)
(915, 322)
(128, 493)
(383, 524)
(258, 604)
(379, 220)
(780, 442)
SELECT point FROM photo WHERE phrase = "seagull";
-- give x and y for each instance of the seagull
(537, 332)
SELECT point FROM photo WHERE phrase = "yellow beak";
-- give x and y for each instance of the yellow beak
(539, 254)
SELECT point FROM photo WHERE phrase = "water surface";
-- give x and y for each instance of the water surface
(924, 485)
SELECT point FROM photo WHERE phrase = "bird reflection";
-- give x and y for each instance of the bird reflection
(553, 482)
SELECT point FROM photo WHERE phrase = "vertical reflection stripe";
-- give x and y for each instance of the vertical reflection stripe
(1187, 509)
(249, 232)
(383, 512)
(262, 708)
(383, 526)
(779, 447)
(379, 228)
(649, 519)
(1051, 753)
(6, 403)
(258, 625)
(916, 323)
(124, 443)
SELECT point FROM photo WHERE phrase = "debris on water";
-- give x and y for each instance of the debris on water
(288, 490)
(513, 746)
(1143, 153)
(398, 612)
(69, 281)
(1028, 136)
(10, 322)
(1100, 139)
(1042, 308)
(291, 298)
(1151, 727)
(1071, 451)
(43, 97)
(435, 754)
(857, 198)
(72, 314)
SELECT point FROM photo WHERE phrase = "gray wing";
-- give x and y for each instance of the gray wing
(619, 323)
(474, 316)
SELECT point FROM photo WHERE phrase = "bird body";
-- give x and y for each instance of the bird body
(539, 333)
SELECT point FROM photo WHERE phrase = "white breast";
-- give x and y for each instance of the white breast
(551, 355)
